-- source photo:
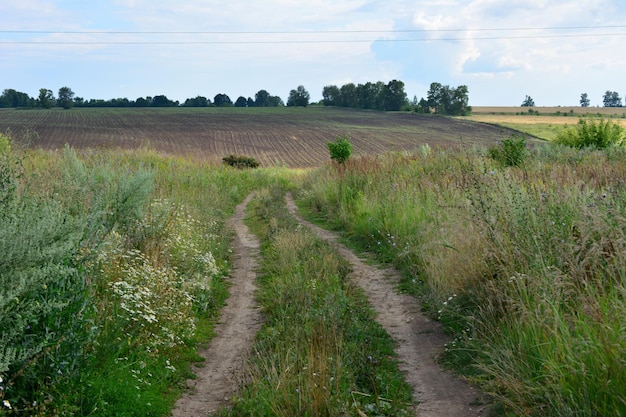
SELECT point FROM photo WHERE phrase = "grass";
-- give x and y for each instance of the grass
(524, 265)
(111, 276)
(320, 353)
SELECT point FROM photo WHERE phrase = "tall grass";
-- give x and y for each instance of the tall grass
(111, 271)
(320, 353)
(526, 266)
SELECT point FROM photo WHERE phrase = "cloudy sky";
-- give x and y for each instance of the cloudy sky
(503, 50)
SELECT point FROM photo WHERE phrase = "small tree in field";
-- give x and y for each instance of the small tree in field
(528, 102)
(341, 149)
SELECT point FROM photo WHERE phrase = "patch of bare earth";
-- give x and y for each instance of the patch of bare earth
(218, 376)
(437, 392)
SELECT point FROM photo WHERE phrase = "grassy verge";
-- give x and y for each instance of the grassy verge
(320, 352)
(110, 275)
(525, 266)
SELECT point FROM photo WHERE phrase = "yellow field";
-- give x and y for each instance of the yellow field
(548, 122)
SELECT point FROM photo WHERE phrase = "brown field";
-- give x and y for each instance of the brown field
(293, 137)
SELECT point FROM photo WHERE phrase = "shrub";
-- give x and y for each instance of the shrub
(511, 152)
(240, 161)
(341, 149)
(591, 133)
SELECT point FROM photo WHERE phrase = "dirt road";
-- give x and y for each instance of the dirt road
(217, 377)
(419, 339)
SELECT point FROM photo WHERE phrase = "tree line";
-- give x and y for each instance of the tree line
(441, 99)
(66, 98)
(609, 99)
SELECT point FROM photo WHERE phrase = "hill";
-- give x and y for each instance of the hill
(294, 137)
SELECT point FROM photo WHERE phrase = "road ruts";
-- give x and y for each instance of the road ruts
(218, 376)
(437, 392)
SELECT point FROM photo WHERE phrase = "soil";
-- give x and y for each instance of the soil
(218, 377)
(292, 137)
(419, 339)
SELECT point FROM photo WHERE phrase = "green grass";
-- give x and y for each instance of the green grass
(101, 254)
(525, 266)
(320, 353)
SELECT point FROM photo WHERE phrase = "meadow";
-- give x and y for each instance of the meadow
(115, 261)
(543, 122)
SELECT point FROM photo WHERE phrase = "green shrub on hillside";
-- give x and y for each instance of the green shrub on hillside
(592, 133)
(511, 152)
(341, 149)
(240, 161)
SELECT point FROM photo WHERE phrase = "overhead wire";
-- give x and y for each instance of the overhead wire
(309, 32)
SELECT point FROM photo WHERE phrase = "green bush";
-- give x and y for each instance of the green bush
(240, 161)
(511, 152)
(592, 133)
(341, 149)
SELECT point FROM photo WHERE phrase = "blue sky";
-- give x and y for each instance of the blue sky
(503, 50)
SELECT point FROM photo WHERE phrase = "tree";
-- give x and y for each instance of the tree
(241, 102)
(299, 97)
(330, 95)
(459, 102)
(222, 100)
(528, 102)
(584, 100)
(66, 98)
(46, 98)
(163, 101)
(198, 101)
(341, 149)
(612, 99)
(394, 95)
(262, 99)
(15, 99)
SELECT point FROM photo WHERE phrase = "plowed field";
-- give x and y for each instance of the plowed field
(294, 137)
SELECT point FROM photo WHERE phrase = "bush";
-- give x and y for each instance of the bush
(511, 152)
(341, 149)
(591, 133)
(240, 161)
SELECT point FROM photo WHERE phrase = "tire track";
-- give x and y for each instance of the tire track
(218, 377)
(437, 392)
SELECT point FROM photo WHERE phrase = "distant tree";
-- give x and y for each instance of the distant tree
(299, 97)
(262, 99)
(222, 100)
(276, 101)
(459, 102)
(528, 102)
(394, 95)
(330, 95)
(65, 98)
(241, 102)
(444, 99)
(250, 102)
(422, 106)
(142, 102)
(436, 97)
(584, 100)
(15, 99)
(46, 98)
(348, 96)
(198, 101)
(612, 99)
(162, 101)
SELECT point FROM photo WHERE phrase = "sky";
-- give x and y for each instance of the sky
(503, 50)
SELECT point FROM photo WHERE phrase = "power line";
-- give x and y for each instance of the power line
(121, 32)
(306, 41)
